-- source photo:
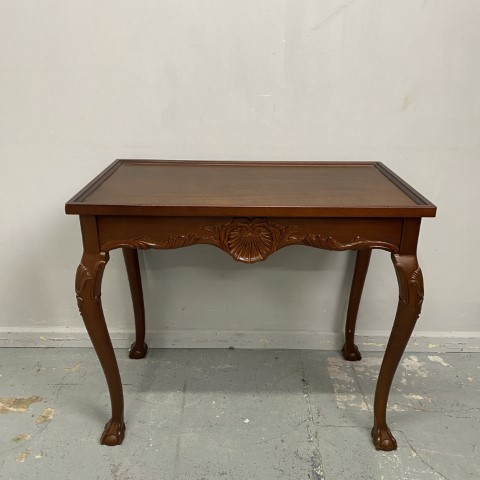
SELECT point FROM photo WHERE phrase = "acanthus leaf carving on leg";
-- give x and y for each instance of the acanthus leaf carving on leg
(82, 277)
(410, 280)
(89, 270)
(416, 283)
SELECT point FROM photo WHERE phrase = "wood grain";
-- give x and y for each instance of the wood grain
(249, 189)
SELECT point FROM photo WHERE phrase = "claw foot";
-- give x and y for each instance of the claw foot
(137, 351)
(351, 353)
(113, 433)
(383, 439)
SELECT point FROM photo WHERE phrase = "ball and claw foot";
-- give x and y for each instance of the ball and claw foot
(113, 433)
(138, 351)
(351, 353)
(383, 439)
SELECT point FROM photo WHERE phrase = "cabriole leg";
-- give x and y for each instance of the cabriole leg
(350, 350)
(138, 348)
(410, 282)
(88, 289)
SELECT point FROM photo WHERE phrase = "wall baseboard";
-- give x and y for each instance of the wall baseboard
(440, 342)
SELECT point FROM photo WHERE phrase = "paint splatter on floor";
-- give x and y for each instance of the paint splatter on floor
(21, 457)
(420, 398)
(413, 366)
(46, 416)
(348, 395)
(437, 359)
(17, 405)
(346, 392)
(21, 437)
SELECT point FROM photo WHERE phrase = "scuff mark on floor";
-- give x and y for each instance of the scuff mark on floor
(223, 367)
(75, 368)
(412, 396)
(46, 416)
(396, 408)
(21, 457)
(17, 405)
(372, 361)
(21, 437)
(345, 398)
(369, 365)
(349, 400)
(339, 370)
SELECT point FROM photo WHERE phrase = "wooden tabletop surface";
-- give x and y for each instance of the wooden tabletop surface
(199, 188)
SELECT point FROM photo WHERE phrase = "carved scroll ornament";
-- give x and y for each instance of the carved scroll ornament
(184, 240)
(358, 243)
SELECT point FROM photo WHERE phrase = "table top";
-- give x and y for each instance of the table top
(218, 188)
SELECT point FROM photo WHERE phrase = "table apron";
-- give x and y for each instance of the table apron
(250, 240)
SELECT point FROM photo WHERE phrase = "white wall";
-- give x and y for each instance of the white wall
(85, 82)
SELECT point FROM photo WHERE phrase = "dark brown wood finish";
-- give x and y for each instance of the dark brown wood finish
(260, 189)
(138, 348)
(350, 350)
(249, 210)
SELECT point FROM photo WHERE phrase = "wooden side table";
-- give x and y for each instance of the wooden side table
(249, 210)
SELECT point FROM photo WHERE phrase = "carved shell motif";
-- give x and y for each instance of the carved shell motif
(248, 241)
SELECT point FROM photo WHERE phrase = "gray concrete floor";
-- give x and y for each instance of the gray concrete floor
(237, 414)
